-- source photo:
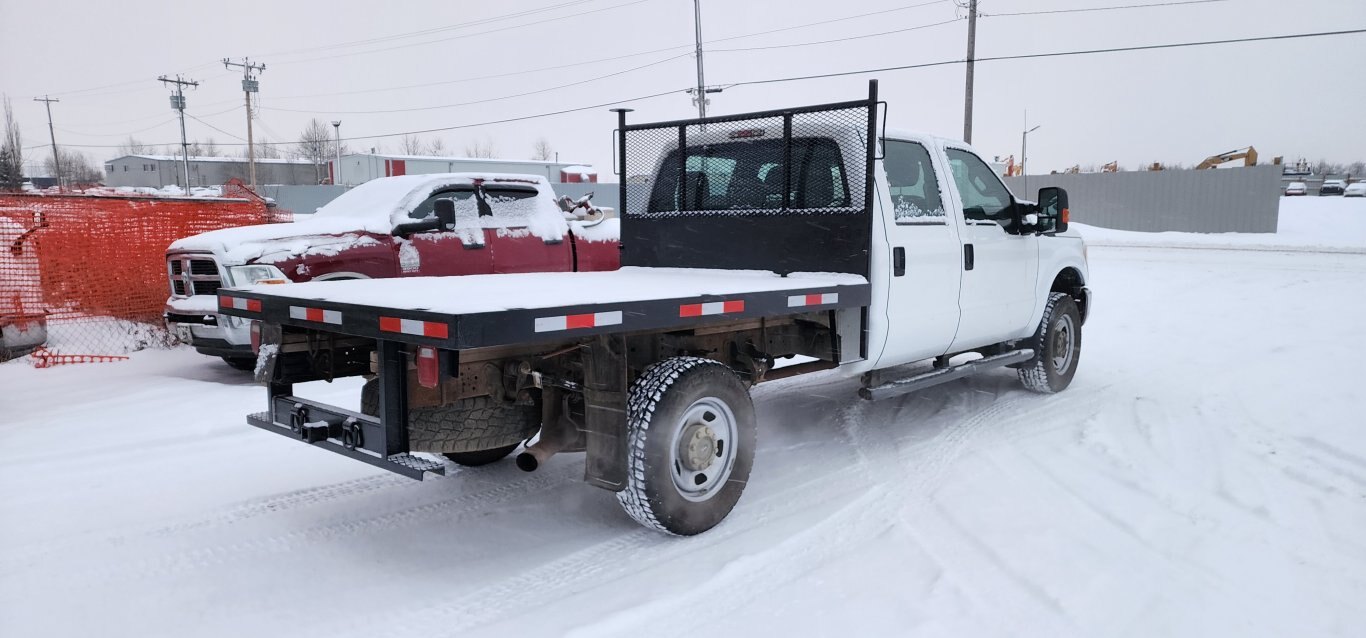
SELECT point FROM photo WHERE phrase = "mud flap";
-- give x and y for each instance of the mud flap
(605, 412)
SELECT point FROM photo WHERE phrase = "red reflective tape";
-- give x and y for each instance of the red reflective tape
(313, 314)
(578, 321)
(435, 330)
(253, 305)
(391, 324)
(224, 301)
(690, 310)
(734, 306)
(813, 300)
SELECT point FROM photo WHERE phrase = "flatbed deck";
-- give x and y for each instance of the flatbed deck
(474, 311)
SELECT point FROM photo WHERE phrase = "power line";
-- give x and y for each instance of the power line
(466, 35)
(449, 27)
(1092, 9)
(1056, 54)
(485, 100)
(838, 74)
(855, 37)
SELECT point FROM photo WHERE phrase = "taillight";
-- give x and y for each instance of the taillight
(1066, 215)
(256, 337)
(428, 367)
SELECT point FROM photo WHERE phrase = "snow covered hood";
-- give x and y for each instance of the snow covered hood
(373, 207)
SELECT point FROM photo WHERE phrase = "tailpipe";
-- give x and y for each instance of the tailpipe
(534, 456)
(564, 437)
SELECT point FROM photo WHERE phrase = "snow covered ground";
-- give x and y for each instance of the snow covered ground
(1205, 475)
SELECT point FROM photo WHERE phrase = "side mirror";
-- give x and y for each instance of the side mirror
(445, 213)
(1053, 207)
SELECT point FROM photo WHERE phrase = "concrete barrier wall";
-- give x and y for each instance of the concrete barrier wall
(1225, 200)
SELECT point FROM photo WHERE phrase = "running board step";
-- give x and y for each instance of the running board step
(944, 375)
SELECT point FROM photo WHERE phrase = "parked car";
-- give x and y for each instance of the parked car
(1332, 187)
(501, 223)
(1296, 188)
(1357, 189)
(754, 243)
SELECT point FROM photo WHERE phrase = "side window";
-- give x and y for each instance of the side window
(750, 176)
(428, 206)
(913, 186)
(984, 196)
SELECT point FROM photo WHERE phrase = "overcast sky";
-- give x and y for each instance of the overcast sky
(1292, 98)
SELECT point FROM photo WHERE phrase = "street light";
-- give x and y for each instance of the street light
(336, 173)
(1024, 159)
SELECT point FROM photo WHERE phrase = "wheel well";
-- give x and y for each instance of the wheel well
(1069, 281)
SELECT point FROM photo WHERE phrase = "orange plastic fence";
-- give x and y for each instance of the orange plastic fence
(95, 266)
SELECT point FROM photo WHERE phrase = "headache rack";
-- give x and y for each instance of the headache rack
(787, 190)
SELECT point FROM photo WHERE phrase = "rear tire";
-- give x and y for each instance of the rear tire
(473, 432)
(1057, 347)
(690, 445)
(245, 364)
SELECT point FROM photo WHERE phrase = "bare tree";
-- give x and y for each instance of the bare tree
(195, 149)
(543, 150)
(1356, 169)
(210, 148)
(410, 145)
(316, 145)
(11, 153)
(76, 168)
(479, 149)
(436, 147)
(265, 150)
(132, 146)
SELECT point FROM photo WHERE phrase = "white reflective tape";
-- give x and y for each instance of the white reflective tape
(412, 327)
(830, 297)
(796, 301)
(714, 308)
(551, 324)
(612, 318)
(298, 312)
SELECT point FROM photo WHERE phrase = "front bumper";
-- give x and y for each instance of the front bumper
(209, 332)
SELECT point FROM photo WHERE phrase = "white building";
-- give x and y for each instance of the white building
(363, 167)
(155, 171)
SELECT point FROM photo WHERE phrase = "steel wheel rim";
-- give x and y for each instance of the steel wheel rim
(1064, 344)
(707, 421)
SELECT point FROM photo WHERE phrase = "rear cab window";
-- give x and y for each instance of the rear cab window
(912, 183)
(749, 176)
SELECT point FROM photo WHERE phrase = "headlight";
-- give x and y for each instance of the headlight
(256, 274)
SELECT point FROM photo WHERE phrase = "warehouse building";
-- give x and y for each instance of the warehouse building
(363, 167)
(155, 171)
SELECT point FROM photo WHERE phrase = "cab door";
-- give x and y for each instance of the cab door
(525, 232)
(999, 264)
(922, 300)
(463, 251)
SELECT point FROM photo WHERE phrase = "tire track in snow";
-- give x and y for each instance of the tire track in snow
(607, 561)
(234, 514)
(455, 508)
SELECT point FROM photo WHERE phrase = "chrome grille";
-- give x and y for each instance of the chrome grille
(193, 274)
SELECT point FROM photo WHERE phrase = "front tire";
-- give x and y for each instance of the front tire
(690, 445)
(1057, 347)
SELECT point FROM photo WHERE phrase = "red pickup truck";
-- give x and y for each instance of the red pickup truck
(407, 226)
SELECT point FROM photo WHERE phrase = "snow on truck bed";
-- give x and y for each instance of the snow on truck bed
(472, 294)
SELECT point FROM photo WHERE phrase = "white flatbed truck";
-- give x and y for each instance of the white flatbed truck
(747, 240)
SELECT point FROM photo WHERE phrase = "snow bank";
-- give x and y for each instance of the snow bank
(1319, 224)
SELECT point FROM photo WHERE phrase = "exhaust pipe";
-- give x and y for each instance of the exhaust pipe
(564, 437)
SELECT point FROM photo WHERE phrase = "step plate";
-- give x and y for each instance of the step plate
(944, 375)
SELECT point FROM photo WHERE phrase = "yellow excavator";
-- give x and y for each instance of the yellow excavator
(1248, 155)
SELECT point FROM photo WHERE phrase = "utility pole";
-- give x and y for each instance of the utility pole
(701, 95)
(56, 159)
(249, 85)
(1024, 147)
(336, 175)
(972, 63)
(178, 104)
